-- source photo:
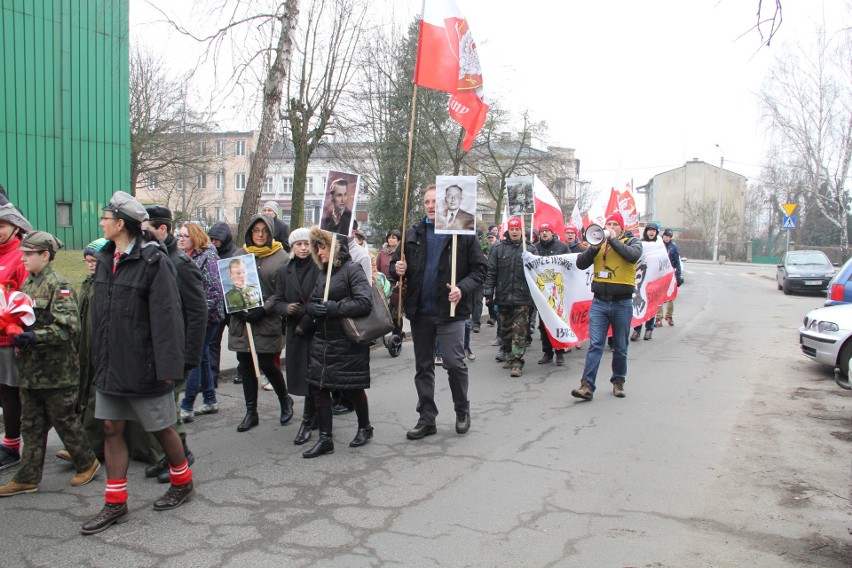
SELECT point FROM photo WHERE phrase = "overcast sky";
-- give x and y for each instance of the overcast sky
(636, 88)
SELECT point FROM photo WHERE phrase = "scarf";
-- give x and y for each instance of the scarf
(264, 251)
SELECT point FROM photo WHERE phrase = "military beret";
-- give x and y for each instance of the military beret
(40, 241)
(125, 204)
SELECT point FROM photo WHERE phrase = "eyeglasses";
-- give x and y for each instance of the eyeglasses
(260, 231)
(108, 219)
(183, 236)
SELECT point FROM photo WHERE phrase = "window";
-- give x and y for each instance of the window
(324, 182)
(220, 148)
(181, 185)
(240, 148)
(240, 180)
(237, 211)
(288, 185)
(267, 185)
(309, 185)
(153, 181)
(220, 179)
(201, 181)
(63, 213)
(219, 214)
(201, 213)
(202, 147)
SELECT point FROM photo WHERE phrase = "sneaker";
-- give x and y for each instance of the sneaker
(174, 497)
(670, 320)
(501, 356)
(205, 408)
(439, 361)
(491, 321)
(476, 327)
(560, 359)
(470, 354)
(85, 476)
(635, 335)
(266, 384)
(648, 334)
(584, 392)
(112, 513)
(15, 488)
(9, 457)
(545, 359)
(187, 415)
(618, 388)
(516, 372)
(496, 343)
(658, 322)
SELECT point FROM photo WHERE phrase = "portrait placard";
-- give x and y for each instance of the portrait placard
(341, 196)
(455, 205)
(519, 195)
(240, 283)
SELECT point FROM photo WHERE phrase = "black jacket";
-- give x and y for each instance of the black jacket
(336, 362)
(193, 301)
(222, 232)
(505, 279)
(551, 247)
(627, 247)
(470, 272)
(281, 233)
(137, 328)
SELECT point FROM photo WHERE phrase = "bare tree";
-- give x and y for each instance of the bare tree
(807, 102)
(699, 215)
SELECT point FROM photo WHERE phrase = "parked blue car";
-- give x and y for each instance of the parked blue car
(840, 287)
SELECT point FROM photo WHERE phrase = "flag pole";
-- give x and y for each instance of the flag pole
(405, 200)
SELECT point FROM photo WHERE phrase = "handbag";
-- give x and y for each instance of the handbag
(364, 329)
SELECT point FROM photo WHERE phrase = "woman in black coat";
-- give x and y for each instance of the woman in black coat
(296, 281)
(336, 362)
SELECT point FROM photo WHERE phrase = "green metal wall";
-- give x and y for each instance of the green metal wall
(64, 110)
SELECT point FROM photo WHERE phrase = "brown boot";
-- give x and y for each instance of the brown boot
(85, 476)
(15, 488)
(618, 387)
(584, 392)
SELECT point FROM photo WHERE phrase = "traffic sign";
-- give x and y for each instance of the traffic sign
(789, 208)
(789, 222)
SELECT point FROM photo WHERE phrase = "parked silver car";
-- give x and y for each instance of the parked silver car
(804, 271)
(826, 337)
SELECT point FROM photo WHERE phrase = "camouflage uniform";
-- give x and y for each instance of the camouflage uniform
(48, 376)
(514, 324)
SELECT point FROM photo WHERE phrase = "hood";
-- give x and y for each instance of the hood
(341, 249)
(222, 232)
(269, 227)
(645, 232)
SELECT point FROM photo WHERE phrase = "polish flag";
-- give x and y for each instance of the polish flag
(612, 204)
(447, 61)
(576, 220)
(547, 209)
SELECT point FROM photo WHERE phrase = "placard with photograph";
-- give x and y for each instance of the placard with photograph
(519, 194)
(455, 205)
(341, 196)
(240, 283)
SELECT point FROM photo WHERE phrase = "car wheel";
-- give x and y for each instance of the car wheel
(843, 358)
(785, 287)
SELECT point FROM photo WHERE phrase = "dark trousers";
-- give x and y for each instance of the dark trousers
(43, 409)
(216, 350)
(545, 339)
(425, 330)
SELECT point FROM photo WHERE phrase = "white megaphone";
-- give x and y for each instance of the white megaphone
(595, 235)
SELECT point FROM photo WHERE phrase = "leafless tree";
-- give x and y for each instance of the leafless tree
(699, 215)
(807, 103)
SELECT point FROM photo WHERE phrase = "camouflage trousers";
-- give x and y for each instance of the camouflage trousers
(514, 325)
(42, 409)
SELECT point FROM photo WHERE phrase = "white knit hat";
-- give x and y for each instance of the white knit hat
(272, 205)
(297, 235)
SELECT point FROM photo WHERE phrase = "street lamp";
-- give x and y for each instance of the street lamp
(718, 206)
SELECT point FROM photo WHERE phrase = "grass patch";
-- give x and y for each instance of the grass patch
(70, 264)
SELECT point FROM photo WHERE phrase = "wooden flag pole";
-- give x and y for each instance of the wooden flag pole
(523, 235)
(453, 274)
(330, 263)
(252, 349)
(405, 202)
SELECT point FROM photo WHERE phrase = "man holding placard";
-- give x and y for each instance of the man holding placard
(428, 297)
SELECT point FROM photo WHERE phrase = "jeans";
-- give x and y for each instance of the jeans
(602, 315)
(425, 330)
(201, 378)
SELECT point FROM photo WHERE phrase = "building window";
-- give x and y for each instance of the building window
(200, 213)
(219, 214)
(63, 214)
(153, 181)
(237, 211)
(324, 182)
(202, 147)
(181, 185)
(201, 181)
(220, 148)
(309, 185)
(220, 179)
(288, 185)
(267, 185)
(240, 148)
(240, 181)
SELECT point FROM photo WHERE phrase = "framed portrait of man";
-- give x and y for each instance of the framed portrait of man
(341, 196)
(240, 283)
(455, 205)
(519, 195)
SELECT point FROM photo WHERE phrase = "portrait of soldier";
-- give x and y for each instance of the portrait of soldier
(241, 295)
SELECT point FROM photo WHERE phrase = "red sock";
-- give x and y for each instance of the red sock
(180, 475)
(12, 443)
(116, 491)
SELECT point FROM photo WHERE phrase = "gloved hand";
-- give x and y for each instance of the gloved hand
(295, 309)
(317, 308)
(253, 315)
(679, 281)
(489, 302)
(24, 340)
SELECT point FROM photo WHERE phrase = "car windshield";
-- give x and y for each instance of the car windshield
(805, 259)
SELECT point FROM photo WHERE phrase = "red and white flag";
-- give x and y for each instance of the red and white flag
(627, 206)
(576, 220)
(547, 209)
(447, 61)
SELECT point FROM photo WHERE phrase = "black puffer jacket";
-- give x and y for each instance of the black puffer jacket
(193, 302)
(138, 334)
(221, 231)
(470, 272)
(505, 279)
(336, 362)
(552, 247)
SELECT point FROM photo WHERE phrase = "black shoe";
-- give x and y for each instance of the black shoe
(158, 468)
(287, 410)
(166, 477)
(238, 380)
(112, 513)
(325, 445)
(421, 431)
(476, 327)
(250, 421)
(545, 359)
(174, 497)
(462, 422)
(341, 408)
(9, 457)
(560, 358)
(362, 437)
(501, 356)
(304, 433)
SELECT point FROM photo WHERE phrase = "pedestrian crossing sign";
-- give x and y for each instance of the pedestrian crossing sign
(789, 222)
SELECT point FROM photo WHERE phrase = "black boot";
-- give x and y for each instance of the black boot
(250, 393)
(284, 399)
(325, 444)
(308, 422)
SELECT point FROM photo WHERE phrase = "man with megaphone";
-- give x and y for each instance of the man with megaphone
(614, 254)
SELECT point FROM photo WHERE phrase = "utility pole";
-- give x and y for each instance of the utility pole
(718, 206)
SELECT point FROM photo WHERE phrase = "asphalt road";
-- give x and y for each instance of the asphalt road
(730, 449)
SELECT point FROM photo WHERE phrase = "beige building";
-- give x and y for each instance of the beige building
(685, 199)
